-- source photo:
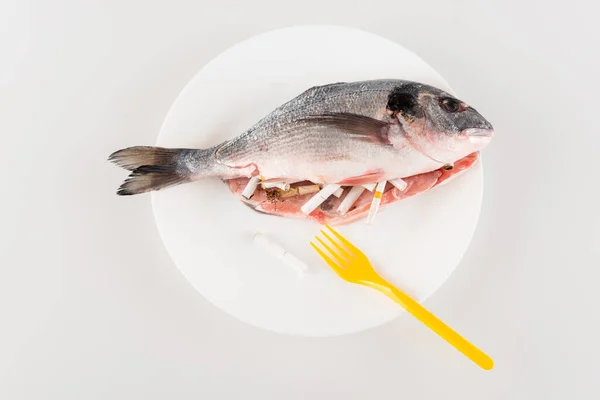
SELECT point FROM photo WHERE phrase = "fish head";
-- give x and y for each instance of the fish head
(439, 125)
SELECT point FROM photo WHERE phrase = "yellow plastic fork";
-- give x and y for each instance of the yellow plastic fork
(353, 266)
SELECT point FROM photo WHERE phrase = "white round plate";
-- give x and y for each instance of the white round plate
(415, 243)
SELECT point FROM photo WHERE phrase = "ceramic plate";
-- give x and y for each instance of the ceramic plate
(415, 243)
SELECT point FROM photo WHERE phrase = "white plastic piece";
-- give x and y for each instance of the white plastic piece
(369, 186)
(276, 184)
(280, 253)
(319, 198)
(350, 199)
(399, 183)
(376, 201)
(251, 187)
(338, 193)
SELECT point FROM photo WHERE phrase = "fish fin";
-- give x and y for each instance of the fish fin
(155, 168)
(360, 127)
(151, 178)
(369, 177)
(134, 157)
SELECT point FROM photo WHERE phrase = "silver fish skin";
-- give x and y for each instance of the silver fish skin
(338, 133)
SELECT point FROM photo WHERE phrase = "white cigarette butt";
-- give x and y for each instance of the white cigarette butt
(338, 193)
(350, 199)
(319, 198)
(376, 201)
(369, 186)
(302, 190)
(399, 183)
(276, 184)
(251, 187)
(280, 253)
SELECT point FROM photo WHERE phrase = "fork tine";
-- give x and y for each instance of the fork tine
(342, 239)
(337, 245)
(339, 258)
(328, 260)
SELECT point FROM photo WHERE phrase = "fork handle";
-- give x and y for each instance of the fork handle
(439, 327)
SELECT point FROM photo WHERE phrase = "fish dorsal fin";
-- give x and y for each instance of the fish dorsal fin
(360, 127)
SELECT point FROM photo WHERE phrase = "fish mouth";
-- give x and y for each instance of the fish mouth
(479, 135)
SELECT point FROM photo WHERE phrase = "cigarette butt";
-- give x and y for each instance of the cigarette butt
(380, 187)
(299, 191)
(280, 253)
(376, 202)
(399, 183)
(308, 189)
(350, 199)
(276, 184)
(369, 186)
(319, 198)
(338, 193)
(251, 187)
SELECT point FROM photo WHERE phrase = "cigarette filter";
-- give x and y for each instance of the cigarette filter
(376, 201)
(280, 253)
(251, 187)
(276, 184)
(350, 199)
(338, 193)
(399, 183)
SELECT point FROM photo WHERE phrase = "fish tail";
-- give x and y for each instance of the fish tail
(156, 168)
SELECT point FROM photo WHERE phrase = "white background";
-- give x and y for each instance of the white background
(92, 307)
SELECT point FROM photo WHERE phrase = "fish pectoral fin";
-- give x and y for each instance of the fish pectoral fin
(357, 126)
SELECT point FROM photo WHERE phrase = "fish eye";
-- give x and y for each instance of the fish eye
(450, 105)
